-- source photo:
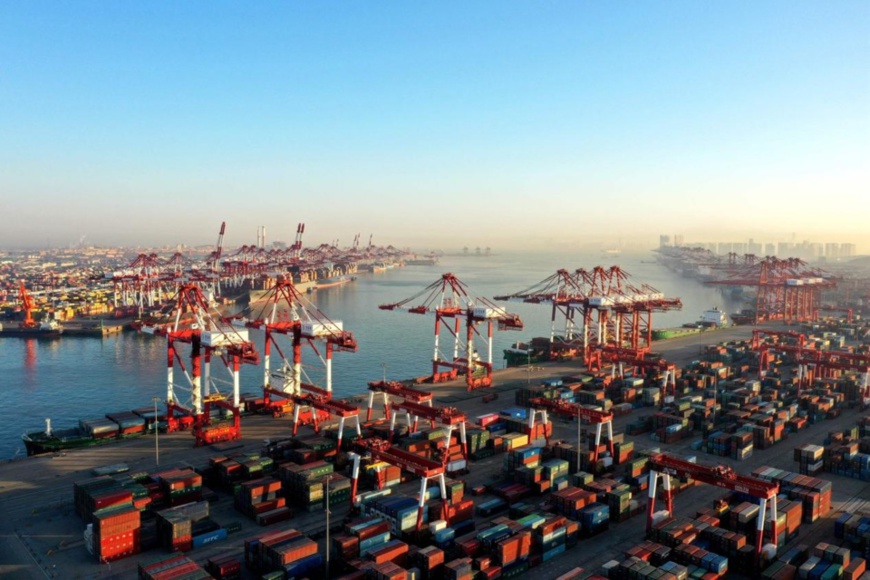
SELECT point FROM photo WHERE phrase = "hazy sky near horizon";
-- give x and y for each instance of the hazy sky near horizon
(441, 124)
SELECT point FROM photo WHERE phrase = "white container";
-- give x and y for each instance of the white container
(225, 337)
(311, 328)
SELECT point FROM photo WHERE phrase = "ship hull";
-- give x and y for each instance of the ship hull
(31, 333)
(666, 333)
(37, 443)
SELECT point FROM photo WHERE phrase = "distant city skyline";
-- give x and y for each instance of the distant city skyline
(513, 125)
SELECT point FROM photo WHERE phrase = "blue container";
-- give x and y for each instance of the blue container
(552, 553)
(304, 567)
(374, 542)
(465, 527)
(515, 412)
(208, 538)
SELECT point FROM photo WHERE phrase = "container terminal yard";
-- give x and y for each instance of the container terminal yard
(744, 458)
(42, 533)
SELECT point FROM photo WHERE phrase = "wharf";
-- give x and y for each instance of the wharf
(40, 535)
(94, 328)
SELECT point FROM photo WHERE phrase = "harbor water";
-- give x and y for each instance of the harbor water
(74, 378)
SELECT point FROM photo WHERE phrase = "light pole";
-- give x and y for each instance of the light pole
(156, 432)
(326, 492)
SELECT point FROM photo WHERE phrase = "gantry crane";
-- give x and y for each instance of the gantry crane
(449, 417)
(787, 289)
(287, 313)
(218, 338)
(600, 306)
(321, 403)
(832, 308)
(396, 389)
(566, 409)
(665, 466)
(451, 302)
(636, 358)
(27, 305)
(562, 291)
(425, 469)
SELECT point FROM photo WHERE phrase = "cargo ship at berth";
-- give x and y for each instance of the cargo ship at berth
(92, 432)
(522, 353)
(45, 329)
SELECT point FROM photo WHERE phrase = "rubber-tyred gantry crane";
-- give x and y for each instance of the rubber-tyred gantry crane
(449, 417)
(666, 466)
(207, 336)
(425, 469)
(396, 389)
(452, 305)
(567, 409)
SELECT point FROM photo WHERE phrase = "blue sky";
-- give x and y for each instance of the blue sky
(434, 123)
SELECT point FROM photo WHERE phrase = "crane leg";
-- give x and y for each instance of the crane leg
(354, 478)
(422, 503)
(597, 443)
(610, 444)
(653, 480)
(340, 431)
(296, 419)
(371, 404)
(463, 441)
(669, 498)
(392, 426)
(759, 534)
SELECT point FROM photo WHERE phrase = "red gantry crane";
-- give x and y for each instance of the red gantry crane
(449, 417)
(667, 466)
(396, 389)
(27, 305)
(287, 316)
(787, 289)
(562, 291)
(567, 409)
(425, 469)
(452, 305)
(207, 336)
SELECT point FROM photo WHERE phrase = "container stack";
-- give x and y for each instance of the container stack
(116, 533)
(394, 552)
(303, 484)
(175, 526)
(619, 503)
(687, 554)
(99, 493)
(594, 519)
(430, 562)
(128, 422)
(828, 561)
(399, 511)
(180, 486)
(810, 459)
(815, 493)
(99, 428)
(289, 551)
(459, 569)
(171, 567)
(571, 501)
(224, 567)
(370, 532)
(260, 497)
